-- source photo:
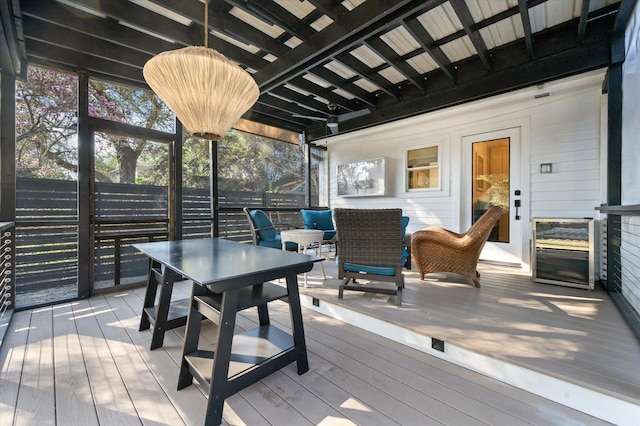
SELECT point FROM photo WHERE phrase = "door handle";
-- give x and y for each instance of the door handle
(517, 206)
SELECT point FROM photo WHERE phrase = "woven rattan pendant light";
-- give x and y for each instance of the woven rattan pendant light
(206, 91)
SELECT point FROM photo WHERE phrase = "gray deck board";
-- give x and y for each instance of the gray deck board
(572, 334)
(104, 370)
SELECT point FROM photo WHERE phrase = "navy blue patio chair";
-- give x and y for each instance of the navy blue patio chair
(321, 220)
(263, 231)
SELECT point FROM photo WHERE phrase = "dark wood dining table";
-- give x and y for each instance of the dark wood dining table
(227, 277)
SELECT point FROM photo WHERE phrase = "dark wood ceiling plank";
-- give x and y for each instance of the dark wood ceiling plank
(280, 104)
(267, 109)
(239, 30)
(360, 94)
(512, 11)
(312, 106)
(326, 93)
(220, 20)
(69, 58)
(270, 120)
(337, 38)
(59, 36)
(526, 26)
(464, 15)
(12, 53)
(273, 13)
(422, 36)
(367, 73)
(330, 8)
(94, 26)
(558, 55)
(393, 59)
(150, 21)
(194, 10)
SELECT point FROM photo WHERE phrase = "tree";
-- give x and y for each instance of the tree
(45, 125)
(46, 108)
(134, 106)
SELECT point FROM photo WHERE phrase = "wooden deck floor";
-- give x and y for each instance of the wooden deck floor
(573, 335)
(85, 363)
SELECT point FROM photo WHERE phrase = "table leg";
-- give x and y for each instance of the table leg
(162, 310)
(263, 311)
(161, 314)
(191, 337)
(219, 387)
(303, 249)
(321, 262)
(297, 328)
(149, 297)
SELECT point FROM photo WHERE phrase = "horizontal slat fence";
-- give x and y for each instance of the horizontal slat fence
(125, 214)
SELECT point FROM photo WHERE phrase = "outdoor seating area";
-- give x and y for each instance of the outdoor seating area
(282, 212)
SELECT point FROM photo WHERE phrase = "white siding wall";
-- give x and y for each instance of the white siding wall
(563, 129)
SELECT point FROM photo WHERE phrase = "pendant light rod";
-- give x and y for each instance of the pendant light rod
(206, 23)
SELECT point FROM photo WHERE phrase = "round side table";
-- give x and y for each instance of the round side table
(304, 238)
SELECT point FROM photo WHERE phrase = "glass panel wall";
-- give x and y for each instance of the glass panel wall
(196, 188)
(259, 172)
(46, 188)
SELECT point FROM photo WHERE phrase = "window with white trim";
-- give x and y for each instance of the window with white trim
(423, 168)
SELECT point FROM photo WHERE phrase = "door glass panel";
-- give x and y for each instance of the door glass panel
(131, 205)
(46, 232)
(491, 186)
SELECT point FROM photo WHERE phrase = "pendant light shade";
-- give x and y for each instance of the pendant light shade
(206, 91)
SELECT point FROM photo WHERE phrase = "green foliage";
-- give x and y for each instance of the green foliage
(47, 141)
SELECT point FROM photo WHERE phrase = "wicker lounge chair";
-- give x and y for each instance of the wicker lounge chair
(435, 249)
(370, 248)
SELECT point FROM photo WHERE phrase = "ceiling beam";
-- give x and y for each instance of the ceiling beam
(422, 36)
(367, 73)
(526, 25)
(392, 58)
(347, 85)
(464, 15)
(338, 37)
(584, 15)
(558, 56)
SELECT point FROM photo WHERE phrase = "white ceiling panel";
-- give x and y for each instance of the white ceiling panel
(400, 40)
(321, 23)
(422, 63)
(271, 30)
(340, 69)
(367, 56)
(316, 80)
(298, 8)
(392, 75)
(502, 32)
(440, 22)
(344, 94)
(459, 49)
(366, 85)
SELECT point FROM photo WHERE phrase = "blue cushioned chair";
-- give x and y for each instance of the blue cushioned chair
(370, 247)
(322, 220)
(406, 249)
(263, 232)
